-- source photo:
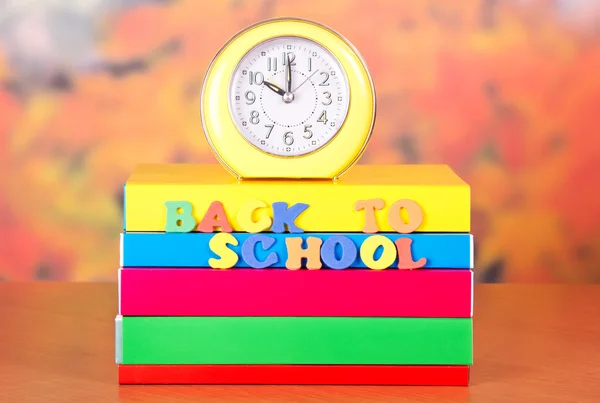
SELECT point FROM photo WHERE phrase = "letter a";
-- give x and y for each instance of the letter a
(215, 217)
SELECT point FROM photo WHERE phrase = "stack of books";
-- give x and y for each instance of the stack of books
(367, 280)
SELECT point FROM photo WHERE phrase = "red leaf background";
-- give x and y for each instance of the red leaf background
(506, 92)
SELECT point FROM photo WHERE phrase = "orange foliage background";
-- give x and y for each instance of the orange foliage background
(507, 92)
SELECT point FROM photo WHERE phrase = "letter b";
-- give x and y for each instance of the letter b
(179, 217)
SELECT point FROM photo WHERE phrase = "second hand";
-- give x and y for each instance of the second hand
(307, 78)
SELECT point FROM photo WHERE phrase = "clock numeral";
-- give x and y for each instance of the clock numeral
(309, 133)
(254, 117)
(250, 97)
(270, 130)
(272, 63)
(288, 139)
(309, 64)
(323, 118)
(256, 78)
(285, 55)
(324, 83)
(327, 98)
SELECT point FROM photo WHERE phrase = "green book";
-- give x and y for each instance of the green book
(296, 340)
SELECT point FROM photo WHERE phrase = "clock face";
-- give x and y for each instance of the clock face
(289, 96)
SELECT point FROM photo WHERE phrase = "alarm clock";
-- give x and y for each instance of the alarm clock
(288, 98)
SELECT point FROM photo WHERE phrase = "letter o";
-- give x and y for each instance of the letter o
(415, 216)
(348, 252)
(370, 245)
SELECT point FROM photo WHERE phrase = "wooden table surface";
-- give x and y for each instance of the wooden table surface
(533, 343)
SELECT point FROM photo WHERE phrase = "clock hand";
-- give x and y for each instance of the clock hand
(307, 78)
(288, 74)
(274, 88)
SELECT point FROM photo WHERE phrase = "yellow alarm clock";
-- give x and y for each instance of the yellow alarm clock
(288, 98)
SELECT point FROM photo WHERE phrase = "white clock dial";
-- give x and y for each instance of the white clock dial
(289, 120)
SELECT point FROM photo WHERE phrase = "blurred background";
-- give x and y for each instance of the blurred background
(507, 92)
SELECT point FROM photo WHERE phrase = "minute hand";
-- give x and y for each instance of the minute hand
(288, 74)
(307, 78)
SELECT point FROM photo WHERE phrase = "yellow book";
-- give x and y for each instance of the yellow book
(442, 195)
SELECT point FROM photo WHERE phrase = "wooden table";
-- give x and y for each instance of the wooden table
(533, 343)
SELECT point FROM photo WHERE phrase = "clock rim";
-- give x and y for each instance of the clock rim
(289, 157)
(360, 77)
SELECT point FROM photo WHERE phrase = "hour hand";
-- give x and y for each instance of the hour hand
(274, 88)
